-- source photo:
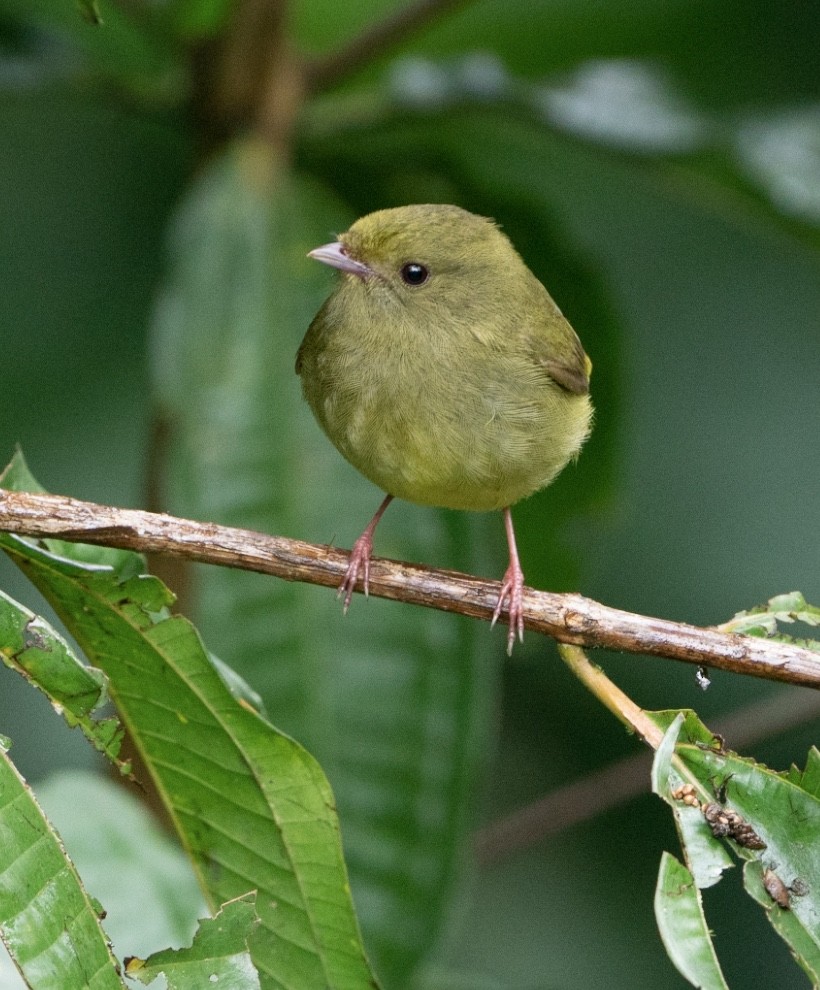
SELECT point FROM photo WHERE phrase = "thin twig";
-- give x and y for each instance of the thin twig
(375, 40)
(567, 618)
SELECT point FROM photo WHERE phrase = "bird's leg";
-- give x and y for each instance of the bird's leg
(512, 588)
(360, 557)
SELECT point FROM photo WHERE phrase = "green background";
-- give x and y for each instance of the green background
(696, 497)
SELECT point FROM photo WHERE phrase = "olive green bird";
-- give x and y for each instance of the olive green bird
(441, 368)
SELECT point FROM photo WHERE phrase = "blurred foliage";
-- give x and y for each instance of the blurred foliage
(658, 165)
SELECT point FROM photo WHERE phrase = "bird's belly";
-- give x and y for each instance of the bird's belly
(485, 452)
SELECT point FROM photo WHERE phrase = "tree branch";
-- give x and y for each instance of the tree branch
(568, 618)
(375, 40)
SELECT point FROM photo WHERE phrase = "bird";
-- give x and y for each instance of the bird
(443, 371)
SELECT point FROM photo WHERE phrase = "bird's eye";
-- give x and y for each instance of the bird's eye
(414, 274)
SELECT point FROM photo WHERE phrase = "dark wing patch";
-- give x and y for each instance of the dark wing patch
(573, 378)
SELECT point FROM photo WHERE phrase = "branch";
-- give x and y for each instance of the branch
(568, 618)
(375, 40)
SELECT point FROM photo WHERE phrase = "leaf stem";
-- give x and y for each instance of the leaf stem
(609, 694)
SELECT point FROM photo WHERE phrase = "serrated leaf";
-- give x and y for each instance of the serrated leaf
(48, 922)
(29, 645)
(681, 922)
(763, 619)
(802, 942)
(391, 700)
(808, 779)
(705, 856)
(781, 811)
(219, 954)
(793, 607)
(252, 807)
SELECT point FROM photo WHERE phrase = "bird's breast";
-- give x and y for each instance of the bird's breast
(428, 428)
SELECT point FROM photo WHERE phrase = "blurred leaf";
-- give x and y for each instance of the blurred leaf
(48, 923)
(128, 861)
(90, 11)
(624, 103)
(740, 52)
(392, 700)
(196, 19)
(683, 928)
(127, 49)
(29, 645)
(781, 152)
(628, 104)
(252, 807)
(219, 953)
(766, 164)
(438, 978)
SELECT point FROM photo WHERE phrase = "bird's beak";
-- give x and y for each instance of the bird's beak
(334, 255)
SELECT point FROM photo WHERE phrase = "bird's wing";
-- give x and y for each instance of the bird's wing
(560, 354)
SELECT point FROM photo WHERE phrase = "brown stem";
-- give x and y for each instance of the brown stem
(567, 618)
(247, 77)
(375, 40)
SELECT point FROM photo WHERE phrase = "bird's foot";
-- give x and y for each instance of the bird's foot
(512, 590)
(360, 558)
(359, 561)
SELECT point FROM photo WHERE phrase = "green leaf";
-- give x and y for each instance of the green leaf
(802, 941)
(681, 922)
(762, 620)
(144, 60)
(48, 922)
(252, 807)
(90, 11)
(391, 700)
(780, 150)
(30, 646)
(705, 856)
(808, 779)
(219, 953)
(196, 19)
(118, 847)
(782, 809)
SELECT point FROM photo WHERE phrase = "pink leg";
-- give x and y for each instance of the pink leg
(512, 588)
(360, 557)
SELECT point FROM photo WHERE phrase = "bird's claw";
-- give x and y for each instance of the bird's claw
(359, 560)
(512, 589)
